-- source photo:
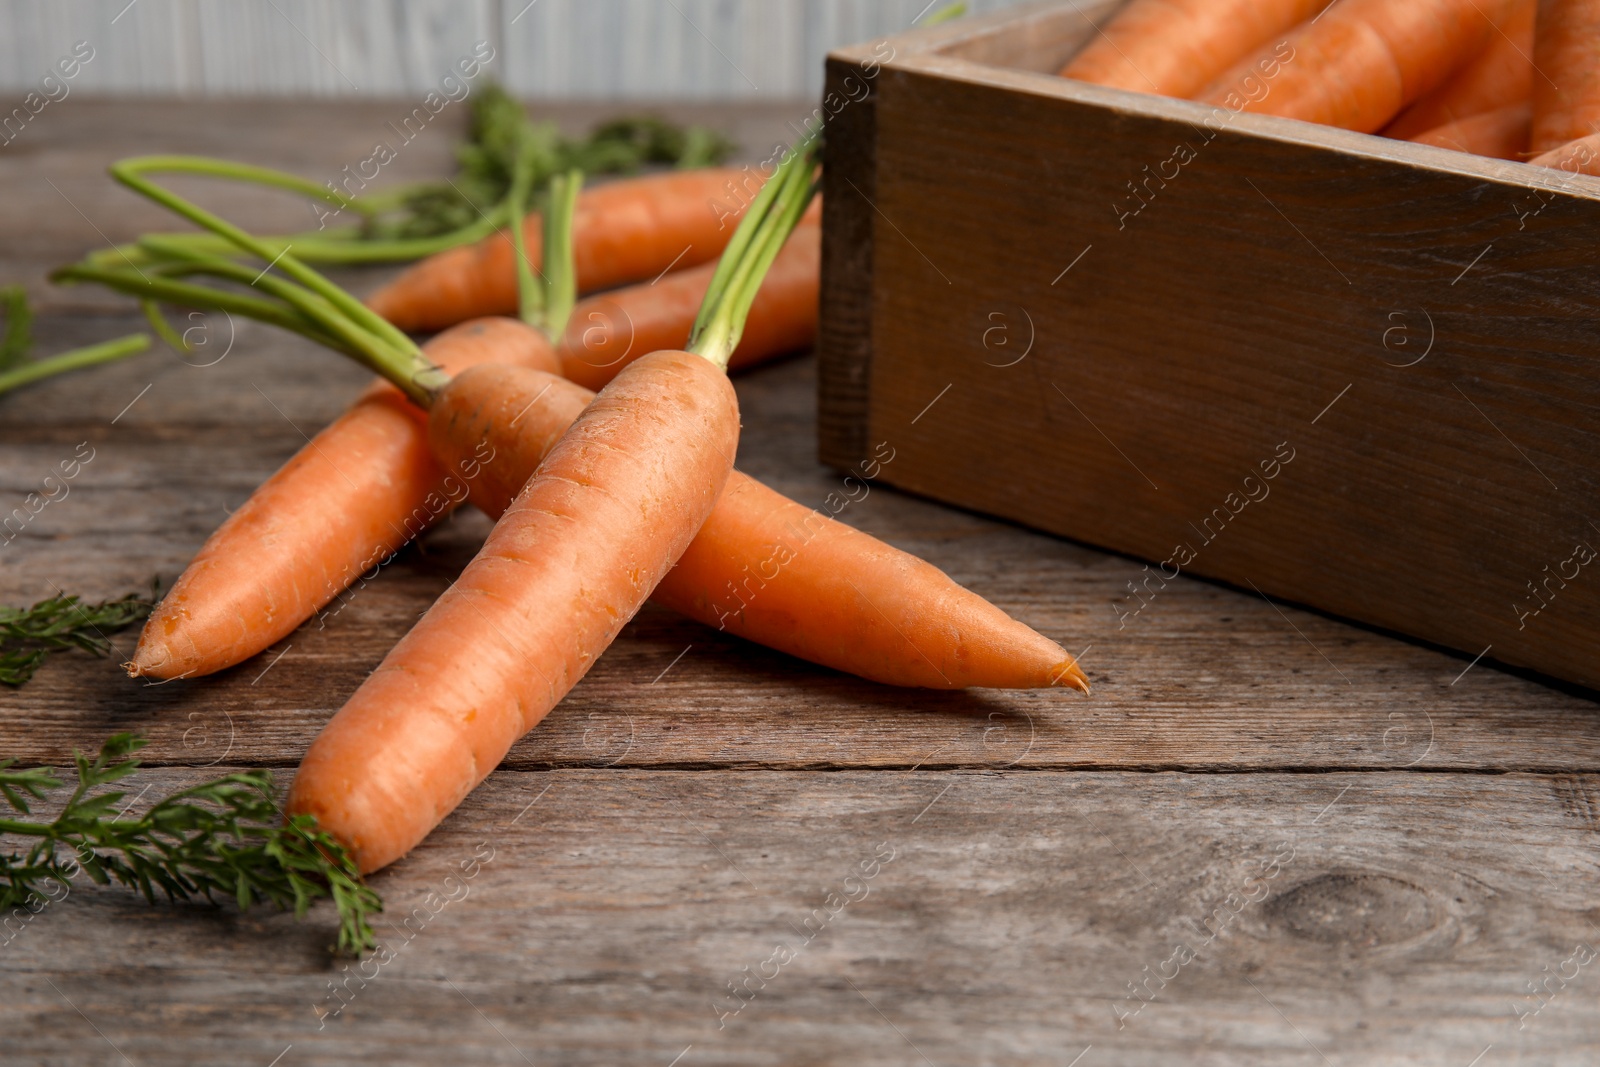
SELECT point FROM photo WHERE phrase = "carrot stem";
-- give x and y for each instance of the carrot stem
(560, 267)
(378, 343)
(375, 352)
(310, 304)
(530, 290)
(754, 245)
(945, 14)
(76, 359)
(130, 172)
(343, 246)
(169, 291)
(158, 322)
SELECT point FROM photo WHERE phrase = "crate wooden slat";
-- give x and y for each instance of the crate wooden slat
(1099, 313)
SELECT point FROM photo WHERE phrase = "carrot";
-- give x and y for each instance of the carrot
(1566, 52)
(1500, 134)
(607, 330)
(1178, 47)
(768, 569)
(611, 509)
(1500, 75)
(1576, 157)
(1361, 61)
(601, 522)
(346, 503)
(625, 231)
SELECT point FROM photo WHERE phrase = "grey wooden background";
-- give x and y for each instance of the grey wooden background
(560, 49)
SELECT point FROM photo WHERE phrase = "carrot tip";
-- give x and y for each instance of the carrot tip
(147, 661)
(1070, 676)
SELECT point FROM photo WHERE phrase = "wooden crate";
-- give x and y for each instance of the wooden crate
(1346, 371)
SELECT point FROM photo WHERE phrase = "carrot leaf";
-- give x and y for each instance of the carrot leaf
(488, 160)
(29, 635)
(226, 838)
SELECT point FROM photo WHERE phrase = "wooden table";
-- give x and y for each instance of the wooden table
(1268, 838)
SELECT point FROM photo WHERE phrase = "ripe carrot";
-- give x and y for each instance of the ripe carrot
(347, 501)
(625, 231)
(1500, 75)
(611, 509)
(606, 331)
(601, 522)
(1499, 134)
(1178, 47)
(1361, 61)
(769, 569)
(1576, 157)
(1566, 51)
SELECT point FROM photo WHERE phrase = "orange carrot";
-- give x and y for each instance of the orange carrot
(601, 522)
(1361, 61)
(1178, 47)
(343, 505)
(1500, 75)
(1499, 134)
(625, 231)
(609, 512)
(1566, 52)
(768, 569)
(1576, 157)
(606, 331)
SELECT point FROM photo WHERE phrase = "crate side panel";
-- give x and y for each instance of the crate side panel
(1123, 324)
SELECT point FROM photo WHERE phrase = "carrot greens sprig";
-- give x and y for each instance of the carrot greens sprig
(414, 220)
(28, 635)
(226, 838)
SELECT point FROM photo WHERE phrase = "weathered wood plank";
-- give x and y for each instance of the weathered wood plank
(987, 918)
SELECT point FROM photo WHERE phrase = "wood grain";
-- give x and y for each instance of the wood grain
(695, 797)
(954, 917)
(1413, 326)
